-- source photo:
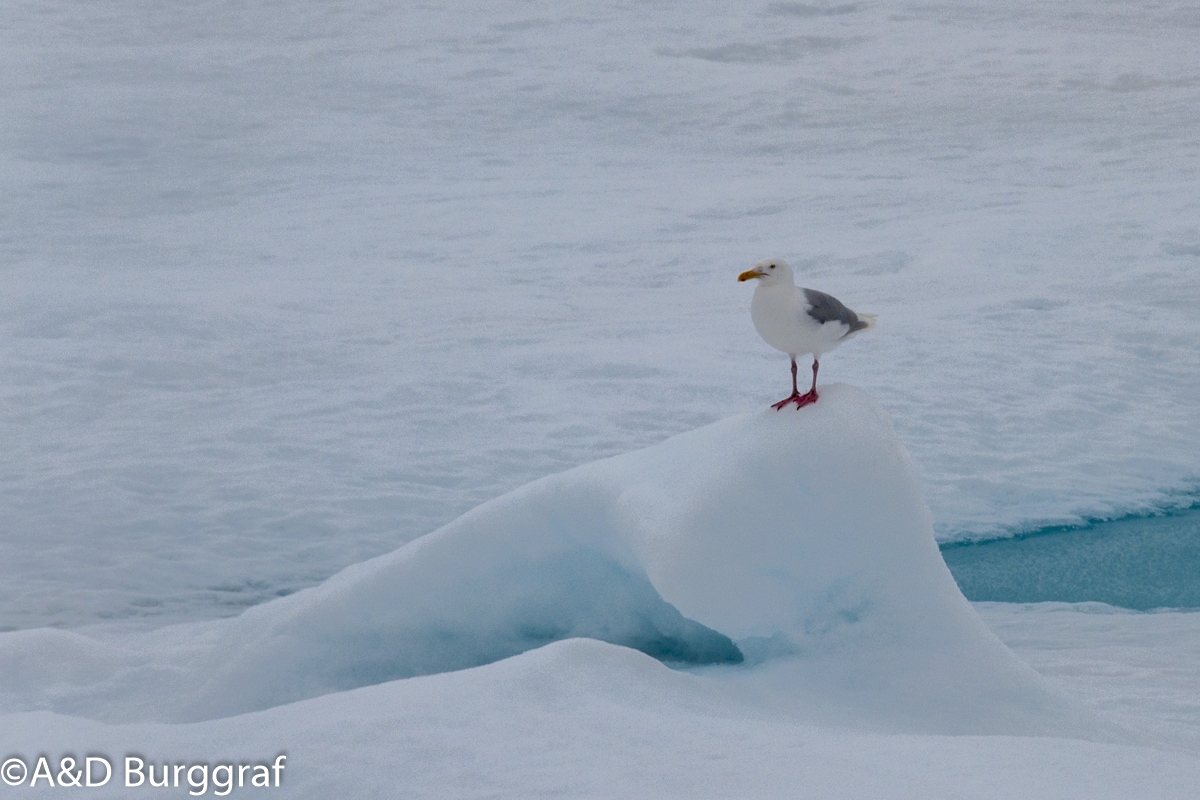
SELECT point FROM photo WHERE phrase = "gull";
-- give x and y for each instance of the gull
(797, 320)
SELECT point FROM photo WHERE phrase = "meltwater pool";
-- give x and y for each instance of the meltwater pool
(1137, 562)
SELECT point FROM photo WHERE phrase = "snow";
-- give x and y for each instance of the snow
(1139, 666)
(285, 290)
(801, 534)
(289, 286)
(585, 719)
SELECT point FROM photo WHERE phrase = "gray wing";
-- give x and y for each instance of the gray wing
(826, 308)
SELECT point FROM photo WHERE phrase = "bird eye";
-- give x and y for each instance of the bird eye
(772, 266)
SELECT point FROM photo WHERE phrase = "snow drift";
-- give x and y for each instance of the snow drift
(799, 535)
(584, 719)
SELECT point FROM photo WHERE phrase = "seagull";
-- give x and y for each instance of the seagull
(797, 320)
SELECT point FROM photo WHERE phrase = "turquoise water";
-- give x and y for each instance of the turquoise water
(1139, 563)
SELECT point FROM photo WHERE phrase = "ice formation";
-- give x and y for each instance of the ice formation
(247, 343)
(801, 535)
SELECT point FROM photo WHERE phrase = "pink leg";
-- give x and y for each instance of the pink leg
(801, 400)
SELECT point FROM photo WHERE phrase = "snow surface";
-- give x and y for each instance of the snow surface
(801, 534)
(585, 719)
(286, 287)
(1144, 668)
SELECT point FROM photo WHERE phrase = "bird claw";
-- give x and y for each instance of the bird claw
(801, 400)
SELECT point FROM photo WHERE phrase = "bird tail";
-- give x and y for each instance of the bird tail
(868, 321)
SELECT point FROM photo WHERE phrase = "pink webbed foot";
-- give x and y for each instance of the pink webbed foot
(801, 400)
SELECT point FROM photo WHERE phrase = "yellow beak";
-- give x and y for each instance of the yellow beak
(750, 274)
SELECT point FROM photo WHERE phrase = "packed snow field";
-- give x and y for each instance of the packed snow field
(287, 286)
(858, 665)
(290, 286)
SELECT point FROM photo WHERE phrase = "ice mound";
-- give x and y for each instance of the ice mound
(800, 534)
(584, 719)
(517, 578)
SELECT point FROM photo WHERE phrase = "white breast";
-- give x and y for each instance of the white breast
(780, 315)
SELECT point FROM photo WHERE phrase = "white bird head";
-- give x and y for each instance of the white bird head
(770, 271)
